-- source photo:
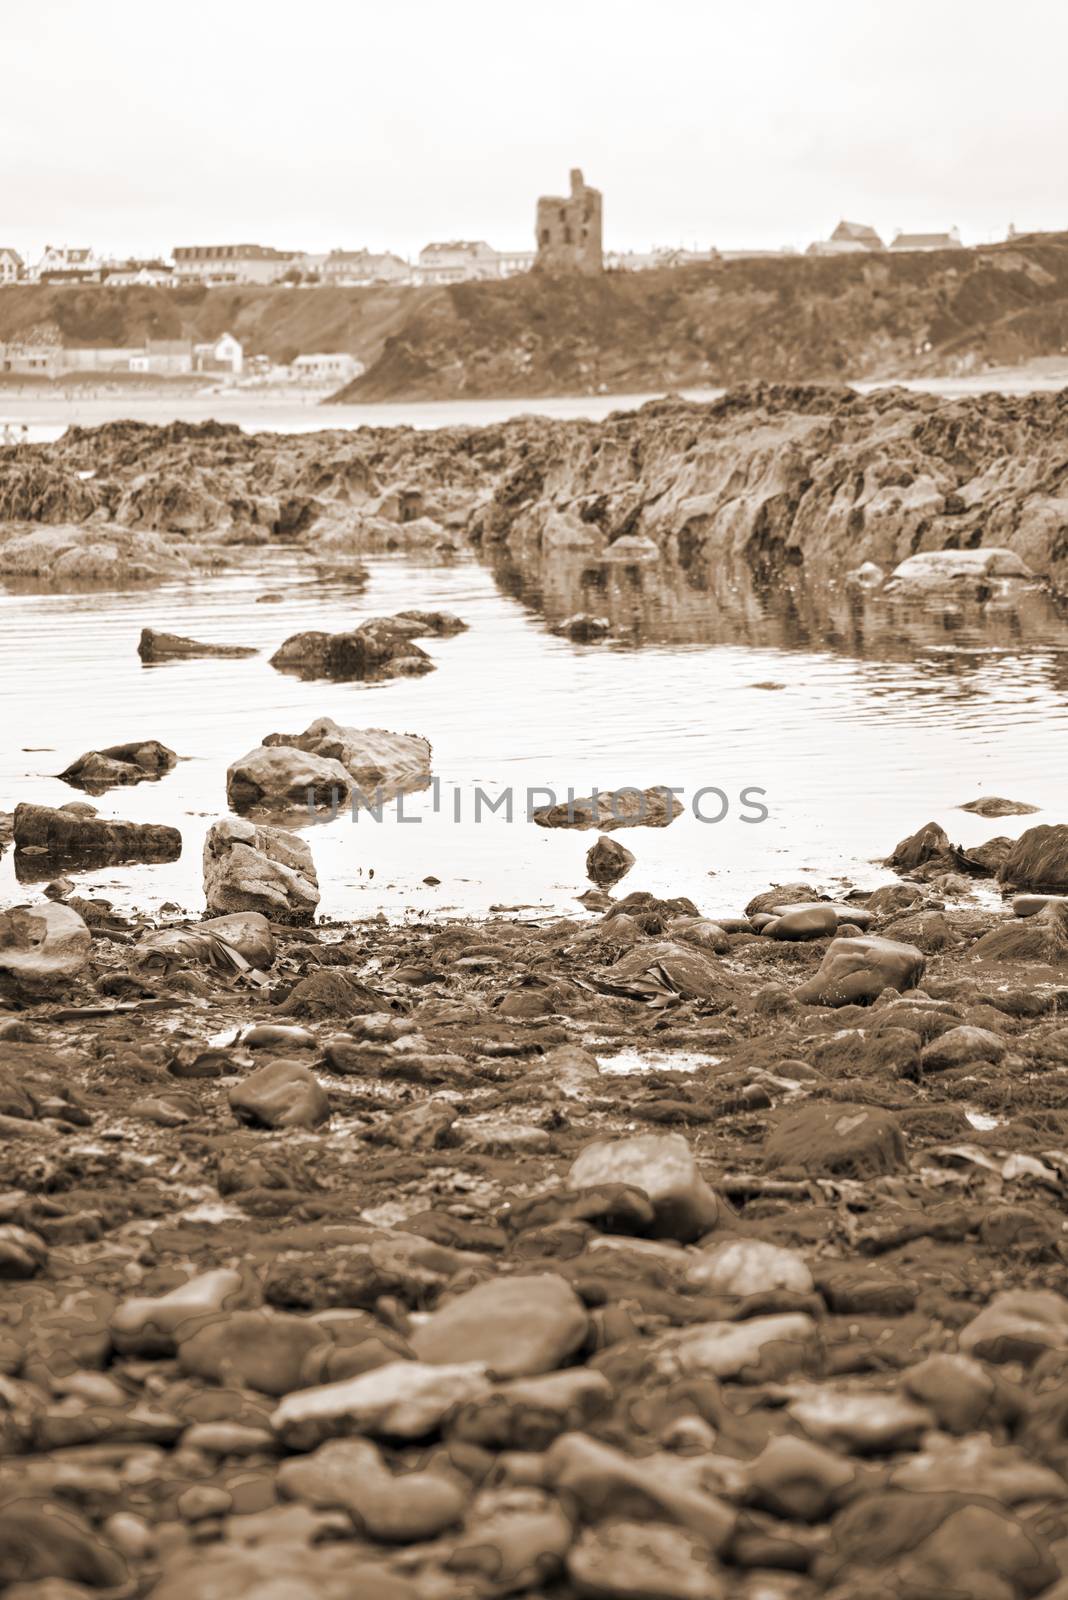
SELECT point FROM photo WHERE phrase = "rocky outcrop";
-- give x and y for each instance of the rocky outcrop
(374, 758)
(172, 647)
(64, 556)
(99, 770)
(1038, 859)
(264, 869)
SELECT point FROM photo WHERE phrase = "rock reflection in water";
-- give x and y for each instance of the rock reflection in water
(670, 602)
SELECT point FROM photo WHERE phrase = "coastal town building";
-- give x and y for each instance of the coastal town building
(456, 261)
(12, 266)
(510, 263)
(350, 268)
(333, 367)
(216, 264)
(139, 274)
(849, 238)
(928, 241)
(37, 352)
(224, 354)
(61, 264)
(165, 358)
(568, 230)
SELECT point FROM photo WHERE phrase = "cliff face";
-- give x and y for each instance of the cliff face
(778, 320)
(775, 319)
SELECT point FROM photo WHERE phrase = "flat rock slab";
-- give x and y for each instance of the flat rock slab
(173, 647)
(69, 836)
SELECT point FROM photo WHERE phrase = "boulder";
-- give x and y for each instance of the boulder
(284, 778)
(48, 1545)
(583, 628)
(518, 1327)
(42, 948)
(614, 808)
(959, 1046)
(837, 1139)
(1038, 859)
(1039, 937)
(607, 861)
(258, 1349)
(798, 1479)
(374, 758)
(283, 1094)
(664, 1167)
(381, 648)
(259, 868)
(927, 843)
(173, 647)
(803, 922)
(67, 835)
(99, 770)
(854, 971)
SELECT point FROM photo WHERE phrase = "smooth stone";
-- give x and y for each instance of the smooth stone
(856, 970)
(42, 948)
(283, 1094)
(959, 1391)
(756, 1350)
(154, 1326)
(665, 1168)
(836, 1138)
(862, 1421)
(619, 1560)
(258, 1349)
(403, 1400)
(393, 1509)
(749, 1266)
(529, 1413)
(798, 1479)
(516, 1326)
(803, 922)
(1017, 1325)
(1005, 1473)
(44, 1539)
(605, 1482)
(959, 1046)
(514, 1541)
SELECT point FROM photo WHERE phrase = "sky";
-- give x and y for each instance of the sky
(134, 127)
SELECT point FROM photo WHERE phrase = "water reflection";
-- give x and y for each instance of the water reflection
(716, 603)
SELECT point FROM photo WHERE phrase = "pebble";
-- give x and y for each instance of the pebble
(747, 1267)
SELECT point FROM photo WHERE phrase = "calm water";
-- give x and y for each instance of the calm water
(879, 718)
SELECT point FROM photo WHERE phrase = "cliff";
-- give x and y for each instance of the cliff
(776, 319)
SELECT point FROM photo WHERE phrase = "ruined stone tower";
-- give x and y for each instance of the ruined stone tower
(569, 231)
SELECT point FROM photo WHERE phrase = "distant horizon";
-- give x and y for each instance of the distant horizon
(133, 132)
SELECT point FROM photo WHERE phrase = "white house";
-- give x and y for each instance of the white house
(224, 354)
(61, 264)
(12, 266)
(337, 367)
(928, 241)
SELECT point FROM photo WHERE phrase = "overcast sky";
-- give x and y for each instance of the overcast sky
(133, 127)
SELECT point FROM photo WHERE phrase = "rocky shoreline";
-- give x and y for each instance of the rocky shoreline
(673, 1251)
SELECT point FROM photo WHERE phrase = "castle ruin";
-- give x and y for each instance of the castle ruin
(569, 231)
